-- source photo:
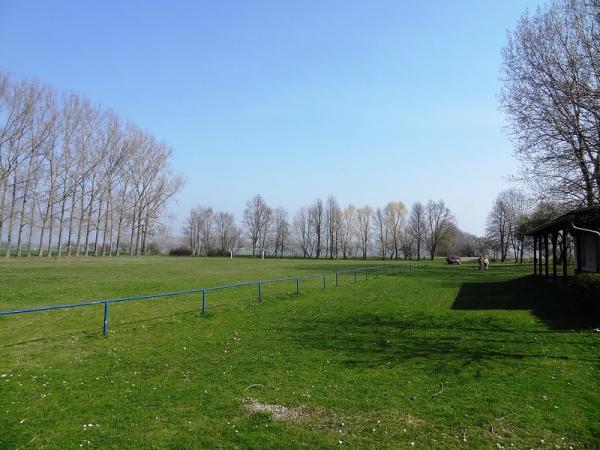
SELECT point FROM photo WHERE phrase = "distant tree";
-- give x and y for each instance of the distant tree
(281, 226)
(364, 220)
(439, 224)
(317, 219)
(257, 219)
(407, 244)
(395, 217)
(347, 229)
(507, 223)
(417, 226)
(302, 227)
(227, 232)
(333, 222)
(380, 225)
(499, 226)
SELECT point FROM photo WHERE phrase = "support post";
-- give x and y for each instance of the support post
(105, 322)
(554, 263)
(324, 281)
(260, 292)
(546, 255)
(366, 274)
(203, 301)
(355, 276)
(565, 257)
(535, 254)
(336, 280)
(297, 285)
(540, 259)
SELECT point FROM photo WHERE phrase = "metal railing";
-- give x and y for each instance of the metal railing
(388, 269)
(205, 291)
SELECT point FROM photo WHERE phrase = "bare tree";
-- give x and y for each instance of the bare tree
(347, 229)
(380, 222)
(69, 169)
(333, 222)
(257, 219)
(417, 226)
(550, 95)
(227, 232)
(507, 223)
(303, 232)
(439, 225)
(317, 218)
(395, 217)
(364, 219)
(281, 226)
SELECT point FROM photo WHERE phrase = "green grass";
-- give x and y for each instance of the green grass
(441, 357)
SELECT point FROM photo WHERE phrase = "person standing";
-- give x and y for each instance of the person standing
(486, 262)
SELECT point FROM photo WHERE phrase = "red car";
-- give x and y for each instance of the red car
(453, 260)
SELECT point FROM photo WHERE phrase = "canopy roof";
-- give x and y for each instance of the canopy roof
(588, 217)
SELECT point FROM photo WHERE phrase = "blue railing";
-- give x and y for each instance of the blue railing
(388, 268)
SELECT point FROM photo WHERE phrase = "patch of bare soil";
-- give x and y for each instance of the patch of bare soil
(279, 412)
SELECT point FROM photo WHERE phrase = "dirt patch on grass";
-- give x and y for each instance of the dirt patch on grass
(279, 412)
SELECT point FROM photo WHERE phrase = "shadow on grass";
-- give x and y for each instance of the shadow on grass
(436, 345)
(455, 340)
(553, 303)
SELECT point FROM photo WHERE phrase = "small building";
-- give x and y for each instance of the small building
(584, 226)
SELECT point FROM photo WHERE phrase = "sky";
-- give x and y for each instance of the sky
(372, 101)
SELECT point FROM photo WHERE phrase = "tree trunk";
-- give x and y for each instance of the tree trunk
(31, 223)
(89, 220)
(11, 215)
(23, 206)
(71, 214)
(63, 208)
(98, 220)
(80, 221)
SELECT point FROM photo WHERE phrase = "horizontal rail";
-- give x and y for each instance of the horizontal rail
(152, 296)
(254, 283)
(362, 269)
(203, 291)
(99, 302)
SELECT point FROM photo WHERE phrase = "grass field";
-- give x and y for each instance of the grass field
(440, 357)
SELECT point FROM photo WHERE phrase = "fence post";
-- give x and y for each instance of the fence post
(203, 301)
(366, 274)
(324, 282)
(297, 285)
(259, 291)
(105, 323)
(355, 276)
(336, 280)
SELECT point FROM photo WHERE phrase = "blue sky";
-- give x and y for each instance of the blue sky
(369, 101)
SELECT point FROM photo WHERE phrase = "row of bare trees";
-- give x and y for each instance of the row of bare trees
(323, 229)
(74, 178)
(507, 225)
(512, 215)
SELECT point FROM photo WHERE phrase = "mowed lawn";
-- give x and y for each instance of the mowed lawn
(439, 357)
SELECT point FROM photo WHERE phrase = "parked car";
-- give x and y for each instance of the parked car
(453, 260)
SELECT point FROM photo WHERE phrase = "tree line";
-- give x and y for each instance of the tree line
(324, 229)
(512, 215)
(75, 179)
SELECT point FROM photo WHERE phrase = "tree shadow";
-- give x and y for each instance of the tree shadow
(437, 345)
(553, 303)
(454, 341)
